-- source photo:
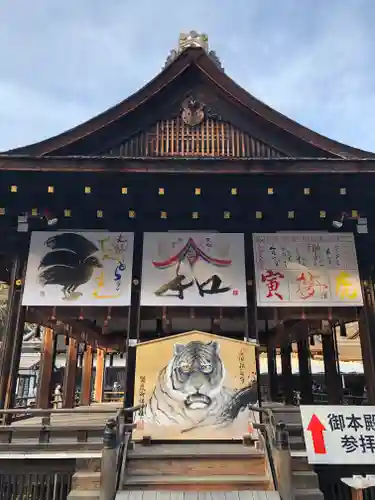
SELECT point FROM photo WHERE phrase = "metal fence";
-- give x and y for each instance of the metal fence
(35, 486)
(334, 489)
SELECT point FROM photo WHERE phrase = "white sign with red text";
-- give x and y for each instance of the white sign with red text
(339, 434)
(306, 270)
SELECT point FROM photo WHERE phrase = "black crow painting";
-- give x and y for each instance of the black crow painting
(69, 263)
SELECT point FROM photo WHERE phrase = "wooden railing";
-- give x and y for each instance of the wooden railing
(116, 441)
(44, 479)
(50, 432)
(276, 440)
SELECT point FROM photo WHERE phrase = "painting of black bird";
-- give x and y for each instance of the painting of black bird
(70, 263)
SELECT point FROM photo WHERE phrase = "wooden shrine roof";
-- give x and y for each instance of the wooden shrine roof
(191, 65)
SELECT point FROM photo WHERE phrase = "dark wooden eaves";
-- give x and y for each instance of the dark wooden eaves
(198, 165)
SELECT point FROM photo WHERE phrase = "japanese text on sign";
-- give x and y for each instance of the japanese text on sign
(302, 269)
(339, 434)
(142, 393)
(362, 425)
(241, 365)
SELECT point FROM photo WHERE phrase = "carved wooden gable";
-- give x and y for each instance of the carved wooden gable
(210, 138)
(194, 133)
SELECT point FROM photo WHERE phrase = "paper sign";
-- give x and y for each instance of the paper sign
(339, 434)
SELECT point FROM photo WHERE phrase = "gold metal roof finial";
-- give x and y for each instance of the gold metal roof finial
(193, 39)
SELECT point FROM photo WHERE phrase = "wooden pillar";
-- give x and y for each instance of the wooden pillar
(305, 378)
(44, 394)
(132, 334)
(13, 334)
(367, 338)
(273, 382)
(251, 333)
(69, 384)
(86, 377)
(251, 311)
(99, 375)
(286, 368)
(332, 376)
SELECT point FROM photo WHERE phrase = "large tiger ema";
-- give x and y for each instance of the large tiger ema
(190, 390)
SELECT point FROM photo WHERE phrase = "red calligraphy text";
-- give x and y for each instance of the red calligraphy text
(308, 285)
(272, 281)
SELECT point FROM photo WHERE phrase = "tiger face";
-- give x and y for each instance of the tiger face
(195, 374)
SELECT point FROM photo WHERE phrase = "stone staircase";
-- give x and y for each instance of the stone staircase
(86, 480)
(305, 479)
(206, 467)
(197, 467)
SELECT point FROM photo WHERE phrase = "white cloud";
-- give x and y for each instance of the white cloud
(64, 62)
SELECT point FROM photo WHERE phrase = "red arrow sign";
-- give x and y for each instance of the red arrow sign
(317, 428)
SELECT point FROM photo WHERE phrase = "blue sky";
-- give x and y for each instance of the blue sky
(62, 62)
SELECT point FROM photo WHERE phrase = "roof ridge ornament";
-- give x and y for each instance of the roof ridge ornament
(193, 39)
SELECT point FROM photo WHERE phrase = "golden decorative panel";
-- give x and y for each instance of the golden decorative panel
(210, 138)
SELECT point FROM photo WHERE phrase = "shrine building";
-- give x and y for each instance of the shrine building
(190, 206)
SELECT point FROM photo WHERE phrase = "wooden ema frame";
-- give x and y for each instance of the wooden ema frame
(236, 359)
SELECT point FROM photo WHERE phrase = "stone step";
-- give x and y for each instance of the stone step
(307, 480)
(194, 495)
(84, 494)
(92, 464)
(296, 443)
(201, 450)
(86, 480)
(295, 429)
(197, 466)
(197, 483)
(314, 494)
(24, 447)
(195, 460)
(300, 464)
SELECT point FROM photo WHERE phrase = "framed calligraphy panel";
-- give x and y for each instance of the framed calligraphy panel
(306, 270)
(193, 269)
(72, 268)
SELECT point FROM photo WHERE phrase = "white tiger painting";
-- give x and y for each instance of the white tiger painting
(190, 391)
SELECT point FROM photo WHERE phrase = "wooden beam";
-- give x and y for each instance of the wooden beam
(305, 377)
(77, 328)
(86, 376)
(69, 384)
(12, 338)
(367, 338)
(44, 395)
(286, 371)
(163, 164)
(332, 376)
(99, 375)
(271, 364)
(133, 332)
